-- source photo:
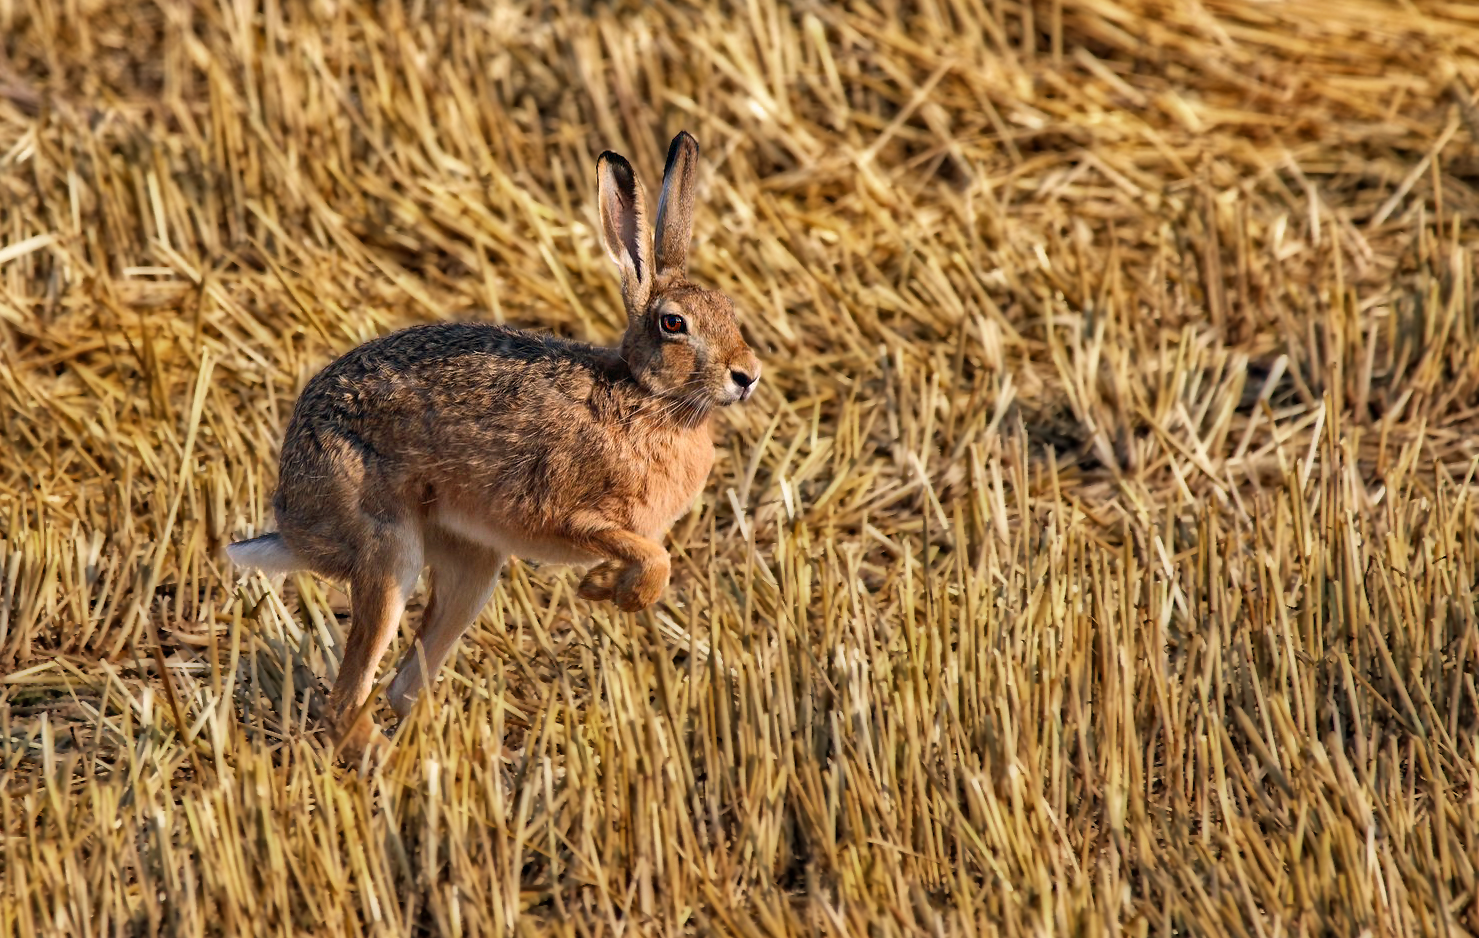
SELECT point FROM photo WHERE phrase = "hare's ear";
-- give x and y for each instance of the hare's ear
(624, 228)
(675, 205)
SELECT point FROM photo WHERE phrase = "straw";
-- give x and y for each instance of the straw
(1096, 557)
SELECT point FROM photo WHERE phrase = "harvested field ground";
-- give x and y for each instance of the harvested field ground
(1100, 554)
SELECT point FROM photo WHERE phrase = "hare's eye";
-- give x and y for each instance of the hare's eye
(673, 324)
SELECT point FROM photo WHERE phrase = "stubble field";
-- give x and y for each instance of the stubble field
(1097, 557)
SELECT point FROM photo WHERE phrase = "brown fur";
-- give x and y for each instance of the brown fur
(457, 445)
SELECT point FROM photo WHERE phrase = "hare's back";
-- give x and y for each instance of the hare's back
(453, 404)
(442, 372)
(457, 352)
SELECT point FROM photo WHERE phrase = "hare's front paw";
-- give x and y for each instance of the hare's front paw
(599, 583)
(640, 585)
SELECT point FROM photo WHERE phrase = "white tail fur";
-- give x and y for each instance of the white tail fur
(267, 553)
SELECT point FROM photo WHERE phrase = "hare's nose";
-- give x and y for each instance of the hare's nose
(743, 379)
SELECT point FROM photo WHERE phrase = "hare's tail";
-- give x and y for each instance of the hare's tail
(268, 553)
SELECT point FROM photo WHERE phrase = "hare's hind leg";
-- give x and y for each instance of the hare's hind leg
(378, 589)
(463, 575)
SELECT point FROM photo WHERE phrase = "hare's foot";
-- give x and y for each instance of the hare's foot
(635, 571)
(599, 583)
(364, 737)
(641, 584)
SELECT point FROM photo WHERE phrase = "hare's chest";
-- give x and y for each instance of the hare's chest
(676, 475)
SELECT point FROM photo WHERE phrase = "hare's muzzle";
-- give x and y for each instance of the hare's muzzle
(742, 380)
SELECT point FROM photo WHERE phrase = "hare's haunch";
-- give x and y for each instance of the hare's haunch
(454, 446)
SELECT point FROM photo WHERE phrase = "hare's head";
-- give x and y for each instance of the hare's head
(682, 341)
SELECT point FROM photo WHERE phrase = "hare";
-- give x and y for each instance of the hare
(455, 445)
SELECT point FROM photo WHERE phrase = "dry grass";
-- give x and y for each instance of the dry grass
(1098, 557)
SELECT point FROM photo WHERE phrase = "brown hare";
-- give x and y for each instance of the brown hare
(455, 445)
